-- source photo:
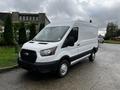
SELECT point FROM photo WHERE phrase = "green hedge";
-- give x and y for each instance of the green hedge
(8, 56)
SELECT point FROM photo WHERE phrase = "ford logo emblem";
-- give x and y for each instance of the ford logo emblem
(26, 54)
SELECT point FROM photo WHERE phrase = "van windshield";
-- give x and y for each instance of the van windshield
(51, 34)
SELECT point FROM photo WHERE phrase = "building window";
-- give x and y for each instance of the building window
(23, 18)
(36, 18)
(20, 18)
(26, 18)
(30, 18)
(33, 18)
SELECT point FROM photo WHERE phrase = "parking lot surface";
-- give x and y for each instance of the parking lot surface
(103, 74)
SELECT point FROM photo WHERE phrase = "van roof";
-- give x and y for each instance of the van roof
(69, 23)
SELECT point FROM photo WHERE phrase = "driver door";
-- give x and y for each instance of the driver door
(73, 50)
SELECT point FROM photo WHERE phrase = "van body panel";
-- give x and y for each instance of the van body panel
(83, 46)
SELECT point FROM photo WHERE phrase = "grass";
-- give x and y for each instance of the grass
(8, 57)
(112, 41)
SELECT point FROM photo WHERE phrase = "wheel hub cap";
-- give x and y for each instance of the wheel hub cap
(63, 69)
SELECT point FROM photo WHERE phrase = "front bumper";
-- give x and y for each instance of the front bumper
(40, 67)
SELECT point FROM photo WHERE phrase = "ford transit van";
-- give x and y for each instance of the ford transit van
(58, 46)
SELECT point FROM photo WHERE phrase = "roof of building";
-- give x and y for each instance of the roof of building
(4, 14)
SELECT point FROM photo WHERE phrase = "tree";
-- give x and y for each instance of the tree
(118, 33)
(16, 28)
(22, 34)
(32, 28)
(8, 31)
(111, 31)
(42, 25)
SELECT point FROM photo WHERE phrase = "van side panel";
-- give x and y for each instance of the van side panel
(87, 32)
(87, 37)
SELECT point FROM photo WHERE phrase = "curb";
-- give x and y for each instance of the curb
(8, 68)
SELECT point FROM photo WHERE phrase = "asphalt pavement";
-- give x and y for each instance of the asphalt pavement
(103, 74)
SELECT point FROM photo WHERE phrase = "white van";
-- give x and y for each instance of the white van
(58, 46)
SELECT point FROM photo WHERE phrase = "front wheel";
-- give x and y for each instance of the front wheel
(92, 57)
(63, 68)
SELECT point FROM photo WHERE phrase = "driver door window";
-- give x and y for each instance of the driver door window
(73, 34)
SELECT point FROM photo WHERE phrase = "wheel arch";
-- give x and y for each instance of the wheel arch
(95, 49)
(66, 57)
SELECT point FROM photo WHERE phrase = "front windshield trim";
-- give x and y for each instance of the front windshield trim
(65, 28)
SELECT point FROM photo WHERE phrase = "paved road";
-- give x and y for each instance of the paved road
(103, 74)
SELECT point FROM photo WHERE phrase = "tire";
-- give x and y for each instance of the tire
(92, 57)
(63, 68)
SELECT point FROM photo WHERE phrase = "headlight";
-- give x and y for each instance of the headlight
(48, 52)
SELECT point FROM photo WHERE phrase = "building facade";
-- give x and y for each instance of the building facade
(27, 18)
(36, 18)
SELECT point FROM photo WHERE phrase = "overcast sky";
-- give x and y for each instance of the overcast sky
(100, 11)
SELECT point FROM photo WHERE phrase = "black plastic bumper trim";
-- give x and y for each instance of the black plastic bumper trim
(41, 67)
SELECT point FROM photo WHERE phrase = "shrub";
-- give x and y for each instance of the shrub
(8, 31)
(32, 31)
(22, 34)
(42, 25)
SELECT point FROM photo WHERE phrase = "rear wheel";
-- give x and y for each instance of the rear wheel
(63, 68)
(92, 57)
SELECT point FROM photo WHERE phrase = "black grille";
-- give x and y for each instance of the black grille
(28, 55)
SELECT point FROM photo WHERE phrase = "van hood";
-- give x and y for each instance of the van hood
(37, 46)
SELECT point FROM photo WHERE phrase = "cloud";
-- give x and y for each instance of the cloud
(102, 11)
(64, 9)
(6, 5)
(28, 5)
